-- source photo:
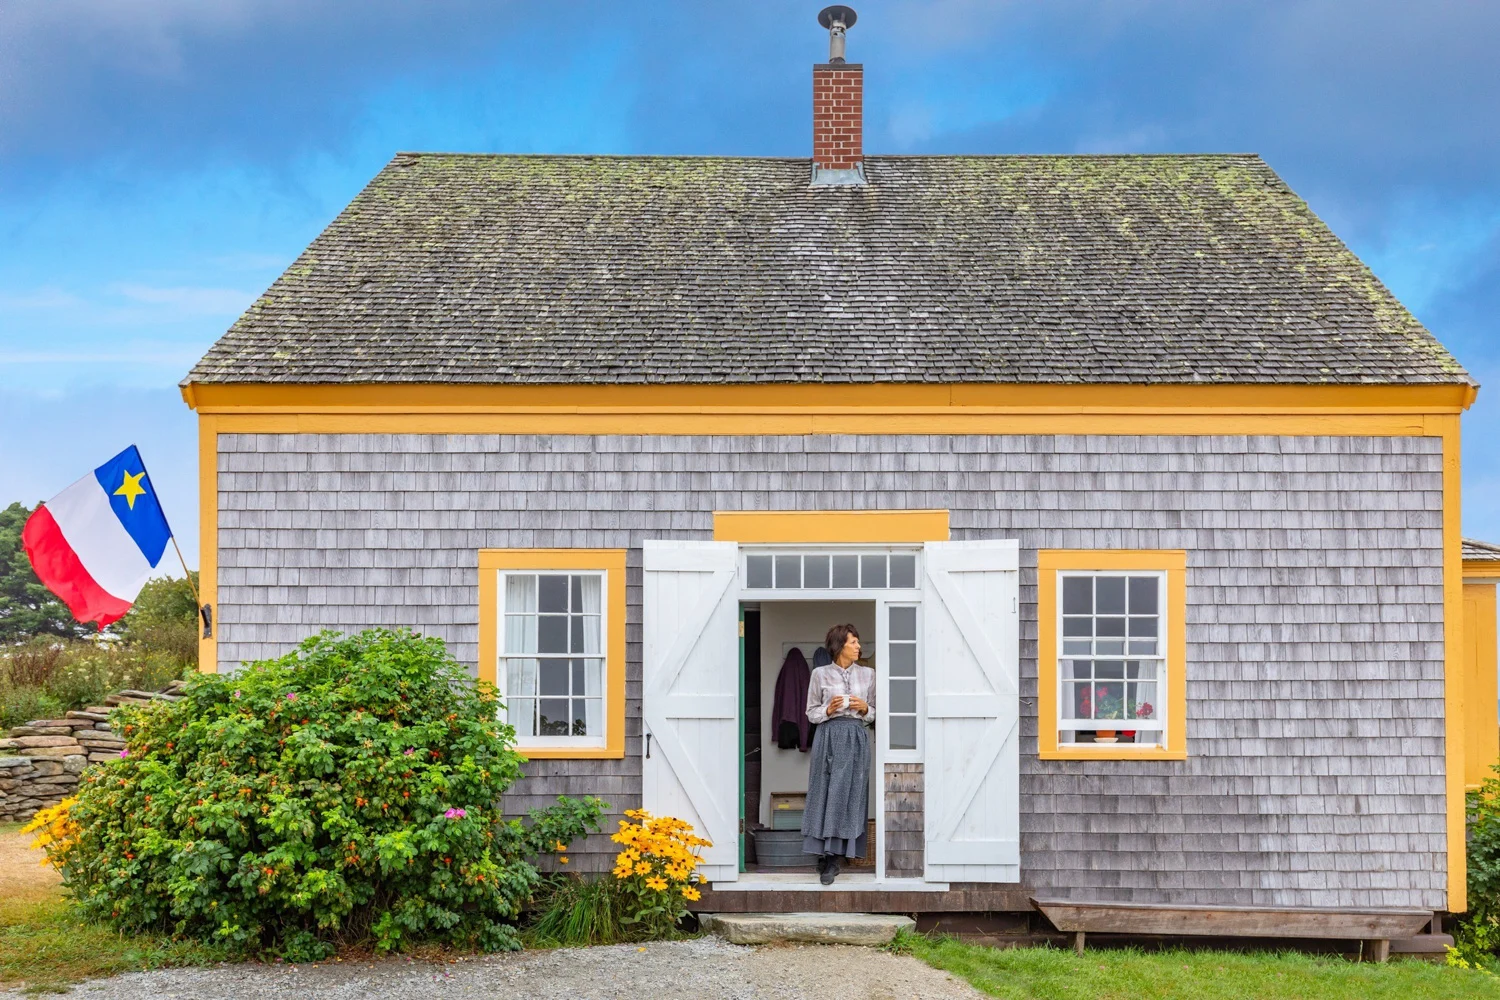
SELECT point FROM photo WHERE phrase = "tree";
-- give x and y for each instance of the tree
(26, 607)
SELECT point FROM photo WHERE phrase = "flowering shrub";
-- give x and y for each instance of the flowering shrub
(656, 871)
(55, 829)
(344, 793)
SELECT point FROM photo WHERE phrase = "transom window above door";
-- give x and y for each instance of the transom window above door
(830, 570)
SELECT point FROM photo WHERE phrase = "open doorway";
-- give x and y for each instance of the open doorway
(777, 634)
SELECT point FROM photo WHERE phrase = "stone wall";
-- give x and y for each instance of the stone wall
(42, 761)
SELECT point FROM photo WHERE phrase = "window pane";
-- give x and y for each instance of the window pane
(1073, 647)
(903, 659)
(903, 696)
(1109, 700)
(521, 713)
(1078, 595)
(593, 678)
(576, 597)
(846, 572)
(552, 594)
(903, 732)
(591, 593)
(815, 572)
(1109, 626)
(1109, 670)
(552, 633)
(872, 571)
(904, 572)
(1109, 595)
(554, 717)
(594, 712)
(1145, 627)
(1081, 696)
(1078, 626)
(553, 676)
(903, 623)
(788, 572)
(1143, 590)
(580, 717)
(1109, 647)
(1143, 701)
(1076, 668)
(520, 677)
(575, 668)
(758, 572)
(1146, 647)
(520, 634)
(1143, 671)
(520, 593)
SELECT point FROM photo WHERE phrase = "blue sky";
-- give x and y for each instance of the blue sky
(161, 161)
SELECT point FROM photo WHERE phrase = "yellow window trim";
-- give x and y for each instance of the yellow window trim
(830, 526)
(1171, 561)
(612, 562)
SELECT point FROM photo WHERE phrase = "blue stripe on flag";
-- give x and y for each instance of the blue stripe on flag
(134, 501)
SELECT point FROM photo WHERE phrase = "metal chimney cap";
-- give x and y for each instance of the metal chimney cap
(837, 13)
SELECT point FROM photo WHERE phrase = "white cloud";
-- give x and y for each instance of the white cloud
(211, 301)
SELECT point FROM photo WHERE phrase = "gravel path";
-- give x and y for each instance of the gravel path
(704, 968)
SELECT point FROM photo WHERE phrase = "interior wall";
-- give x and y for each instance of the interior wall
(803, 624)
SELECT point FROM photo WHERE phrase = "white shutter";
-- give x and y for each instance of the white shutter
(690, 693)
(971, 657)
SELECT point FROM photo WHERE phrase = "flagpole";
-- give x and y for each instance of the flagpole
(186, 572)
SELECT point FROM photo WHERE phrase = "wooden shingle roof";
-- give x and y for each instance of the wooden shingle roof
(995, 269)
(1477, 551)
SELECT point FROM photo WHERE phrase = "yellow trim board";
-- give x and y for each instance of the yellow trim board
(612, 562)
(1481, 569)
(1482, 727)
(1171, 561)
(208, 538)
(802, 398)
(830, 526)
(1453, 666)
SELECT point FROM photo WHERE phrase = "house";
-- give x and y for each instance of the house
(1141, 488)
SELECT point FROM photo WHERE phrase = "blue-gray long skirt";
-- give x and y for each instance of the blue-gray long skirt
(838, 789)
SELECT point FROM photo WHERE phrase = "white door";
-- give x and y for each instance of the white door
(971, 656)
(690, 693)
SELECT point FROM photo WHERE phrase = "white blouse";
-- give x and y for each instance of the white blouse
(831, 679)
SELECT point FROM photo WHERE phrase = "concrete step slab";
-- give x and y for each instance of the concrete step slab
(814, 928)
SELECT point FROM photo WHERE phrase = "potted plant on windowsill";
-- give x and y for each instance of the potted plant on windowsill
(1111, 706)
(1141, 711)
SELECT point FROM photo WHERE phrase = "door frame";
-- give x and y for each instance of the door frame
(881, 598)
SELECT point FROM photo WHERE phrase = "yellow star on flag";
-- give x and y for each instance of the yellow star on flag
(132, 488)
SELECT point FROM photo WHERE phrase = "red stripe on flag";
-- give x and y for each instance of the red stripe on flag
(58, 568)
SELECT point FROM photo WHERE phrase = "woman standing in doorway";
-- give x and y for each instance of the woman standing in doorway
(841, 700)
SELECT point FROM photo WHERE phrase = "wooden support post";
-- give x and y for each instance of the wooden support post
(1377, 949)
(1078, 943)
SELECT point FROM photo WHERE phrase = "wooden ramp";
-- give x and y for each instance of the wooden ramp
(1375, 926)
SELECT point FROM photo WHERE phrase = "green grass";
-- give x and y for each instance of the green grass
(1128, 974)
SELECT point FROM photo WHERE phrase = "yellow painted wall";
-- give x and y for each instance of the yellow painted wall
(1482, 731)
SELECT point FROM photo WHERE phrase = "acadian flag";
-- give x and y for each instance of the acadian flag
(95, 544)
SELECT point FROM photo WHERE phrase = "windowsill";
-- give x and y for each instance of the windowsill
(566, 752)
(1112, 751)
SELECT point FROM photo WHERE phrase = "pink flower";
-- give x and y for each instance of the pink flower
(455, 814)
(291, 696)
(125, 752)
(236, 694)
(410, 751)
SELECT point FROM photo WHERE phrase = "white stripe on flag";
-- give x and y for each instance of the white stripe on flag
(100, 541)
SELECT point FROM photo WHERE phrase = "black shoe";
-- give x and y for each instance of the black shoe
(830, 871)
(822, 863)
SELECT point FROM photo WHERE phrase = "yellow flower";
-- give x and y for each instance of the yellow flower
(691, 894)
(657, 883)
(643, 868)
(559, 846)
(563, 859)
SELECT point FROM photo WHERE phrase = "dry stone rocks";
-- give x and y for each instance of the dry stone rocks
(42, 761)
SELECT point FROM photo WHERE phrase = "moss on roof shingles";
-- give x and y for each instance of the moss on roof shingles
(1043, 269)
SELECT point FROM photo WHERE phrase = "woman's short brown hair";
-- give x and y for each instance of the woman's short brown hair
(837, 636)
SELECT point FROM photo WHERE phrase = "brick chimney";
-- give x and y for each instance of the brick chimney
(838, 107)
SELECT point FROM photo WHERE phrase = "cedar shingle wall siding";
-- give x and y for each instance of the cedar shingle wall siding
(1314, 600)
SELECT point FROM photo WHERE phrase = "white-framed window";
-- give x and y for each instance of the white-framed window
(553, 634)
(900, 714)
(837, 569)
(1112, 664)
